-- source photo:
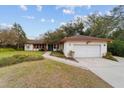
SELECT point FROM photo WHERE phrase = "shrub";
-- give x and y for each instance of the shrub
(109, 56)
(18, 59)
(57, 54)
(116, 48)
(42, 49)
(71, 54)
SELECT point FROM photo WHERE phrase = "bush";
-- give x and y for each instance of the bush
(116, 48)
(6, 49)
(109, 56)
(42, 49)
(57, 54)
(18, 59)
(71, 54)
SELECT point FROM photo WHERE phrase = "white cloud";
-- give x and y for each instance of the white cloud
(39, 7)
(4, 25)
(100, 13)
(89, 7)
(23, 7)
(108, 13)
(90, 13)
(43, 20)
(62, 23)
(52, 20)
(68, 6)
(83, 17)
(67, 11)
(29, 17)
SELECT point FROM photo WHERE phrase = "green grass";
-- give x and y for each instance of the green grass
(48, 73)
(57, 54)
(6, 49)
(11, 53)
(18, 59)
(14, 57)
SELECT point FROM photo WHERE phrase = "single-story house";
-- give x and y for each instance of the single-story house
(77, 46)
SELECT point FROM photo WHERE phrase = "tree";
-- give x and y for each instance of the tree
(74, 27)
(7, 37)
(118, 34)
(104, 26)
(20, 35)
(100, 26)
(53, 37)
(118, 15)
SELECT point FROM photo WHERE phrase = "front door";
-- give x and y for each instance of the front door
(50, 47)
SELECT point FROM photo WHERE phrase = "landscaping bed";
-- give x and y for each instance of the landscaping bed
(61, 55)
(110, 57)
(57, 54)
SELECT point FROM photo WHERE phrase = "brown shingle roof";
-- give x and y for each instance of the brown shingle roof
(34, 42)
(85, 38)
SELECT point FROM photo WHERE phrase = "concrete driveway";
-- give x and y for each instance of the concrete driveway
(110, 71)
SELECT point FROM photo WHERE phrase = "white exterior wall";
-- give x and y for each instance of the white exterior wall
(103, 49)
(29, 47)
(69, 46)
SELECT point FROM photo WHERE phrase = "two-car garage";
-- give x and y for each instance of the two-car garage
(81, 50)
(85, 46)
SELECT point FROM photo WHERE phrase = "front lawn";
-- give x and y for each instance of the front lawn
(14, 57)
(48, 73)
(11, 53)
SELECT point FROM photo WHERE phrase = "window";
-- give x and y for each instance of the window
(55, 46)
(43, 45)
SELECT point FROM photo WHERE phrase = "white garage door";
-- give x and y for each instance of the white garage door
(87, 50)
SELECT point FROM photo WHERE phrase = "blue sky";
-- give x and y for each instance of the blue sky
(37, 20)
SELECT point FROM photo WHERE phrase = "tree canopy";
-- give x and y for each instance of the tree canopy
(14, 36)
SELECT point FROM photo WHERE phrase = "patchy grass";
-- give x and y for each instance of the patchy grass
(48, 73)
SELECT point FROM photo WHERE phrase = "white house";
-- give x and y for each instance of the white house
(85, 46)
(79, 45)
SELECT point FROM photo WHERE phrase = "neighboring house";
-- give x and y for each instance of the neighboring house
(85, 46)
(80, 46)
